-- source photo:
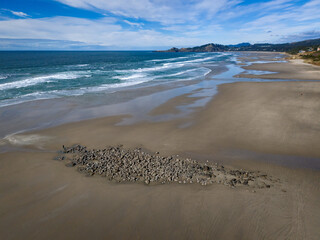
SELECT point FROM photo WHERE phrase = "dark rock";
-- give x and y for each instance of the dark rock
(120, 165)
(71, 164)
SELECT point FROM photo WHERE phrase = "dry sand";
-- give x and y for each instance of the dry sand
(272, 127)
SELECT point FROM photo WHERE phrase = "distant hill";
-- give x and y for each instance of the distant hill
(211, 47)
(293, 47)
(240, 45)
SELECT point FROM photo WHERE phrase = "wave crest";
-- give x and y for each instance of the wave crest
(41, 79)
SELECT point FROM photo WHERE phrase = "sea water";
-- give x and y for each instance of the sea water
(33, 75)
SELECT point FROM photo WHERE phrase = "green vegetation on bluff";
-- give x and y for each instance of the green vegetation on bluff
(313, 57)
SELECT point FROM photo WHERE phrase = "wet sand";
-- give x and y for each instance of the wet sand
(270, 127)
(46, 200)
(293, 69)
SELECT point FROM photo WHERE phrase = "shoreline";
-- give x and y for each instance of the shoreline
(291, 69)
(79, 108)
(258, 126)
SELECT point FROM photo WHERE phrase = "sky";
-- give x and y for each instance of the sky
(153, 24)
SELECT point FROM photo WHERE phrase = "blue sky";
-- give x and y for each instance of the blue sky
(153, 24)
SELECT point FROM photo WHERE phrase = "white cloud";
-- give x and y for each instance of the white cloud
(287, 22)
(104, 32)
(163, 11)
(18, 14)
(133, 24)
(211, 8)
(256, 9)
(59, 28)
(313, 3)
(301, 36)
(182, 23)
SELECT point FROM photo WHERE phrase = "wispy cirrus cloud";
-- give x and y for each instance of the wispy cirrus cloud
(162, 11)
(289, 21)
(133, 24)
(300, 36)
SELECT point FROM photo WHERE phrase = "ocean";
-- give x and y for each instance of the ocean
(32, 75)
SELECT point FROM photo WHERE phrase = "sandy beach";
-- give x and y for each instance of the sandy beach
(271, 127)
(292, 69)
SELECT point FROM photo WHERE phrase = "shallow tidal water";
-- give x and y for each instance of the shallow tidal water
(45, 89)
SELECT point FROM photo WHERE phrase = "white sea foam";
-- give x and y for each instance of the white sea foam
(25, 140)
(159, 71)
(74, 92)
(167, 59)
(81, 65)
(200, 60)
(153, 69)
(166, 66)
(132, 80)
(180, 73)
(205, 72)
(186, 75)
(131, 77)
(41, 79)
(77, 65)
(197, 58)
(3, 77)
(63, 93)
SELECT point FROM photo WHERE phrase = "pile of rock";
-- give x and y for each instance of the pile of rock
(125, 165)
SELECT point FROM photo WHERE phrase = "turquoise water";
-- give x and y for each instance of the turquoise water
(27, 76)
